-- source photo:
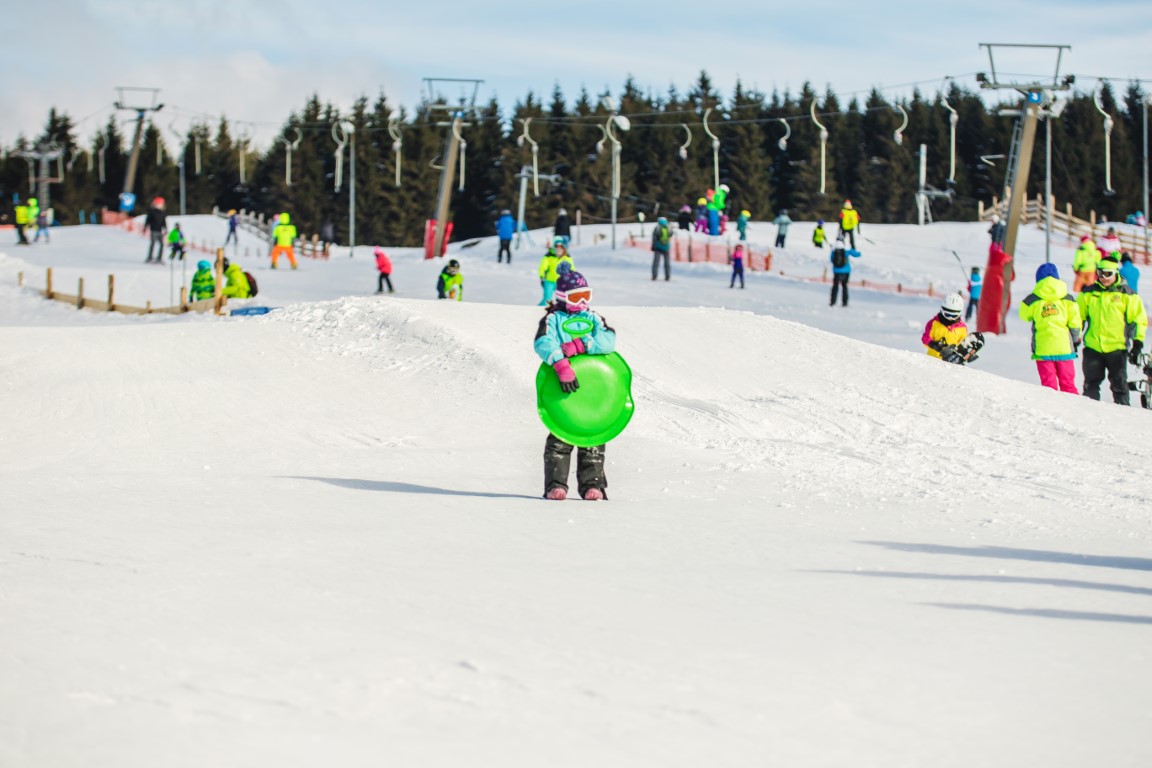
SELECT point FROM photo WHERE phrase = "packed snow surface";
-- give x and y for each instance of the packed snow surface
(316, 537)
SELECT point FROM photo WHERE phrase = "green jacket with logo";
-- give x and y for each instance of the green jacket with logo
(1114, 316)
(1055, 319)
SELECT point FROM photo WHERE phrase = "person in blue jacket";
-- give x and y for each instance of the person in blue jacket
(505, 228)
(841, 269)
(1129, 273)
(975, 285)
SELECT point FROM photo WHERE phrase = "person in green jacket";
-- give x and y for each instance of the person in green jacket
(284, 235)
(450, 284)
(1084, 263)
(1056, 322)
(176, 243)
(21, 224)
(33, 212)
(203, 283)
(1116, 324)
(550, 268)
(235, 282)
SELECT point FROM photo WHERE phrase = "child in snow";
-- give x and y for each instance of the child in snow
(450, 284)
(818, 236)
(701, 215)
(203, 283)
(550, 268)
(975, 285)
(946, 329)
(1055, 319)
(737, 267)
(176, 243)
(554, 344)
(742, 223)
(384, 265)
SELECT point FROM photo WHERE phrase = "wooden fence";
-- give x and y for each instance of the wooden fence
(1070, 226)
(261, 226)
(108, 303)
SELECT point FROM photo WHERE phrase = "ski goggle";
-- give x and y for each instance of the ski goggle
(1107, 274)
(576, 296)
(948, 314)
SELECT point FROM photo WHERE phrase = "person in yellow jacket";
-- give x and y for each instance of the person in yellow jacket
(946, 329)
(1055, 319)
(21, 224)
(1116, 324)
(1084, 264)
(450, 283)
(849, 222)
(236, 282)
(284, 235)
(550, 268)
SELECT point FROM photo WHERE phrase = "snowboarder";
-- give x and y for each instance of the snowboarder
(203, 283)
(737, 267)
(945, 329)
(1116, 323)
(975, 286)
(782, 223)
(661, 247)
(1056, 322)
(841, 269)
(505, 228)
(450, 283)
(818, 235)
(384, 266)
(555, 345)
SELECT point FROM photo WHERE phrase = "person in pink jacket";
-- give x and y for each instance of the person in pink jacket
(384, 265)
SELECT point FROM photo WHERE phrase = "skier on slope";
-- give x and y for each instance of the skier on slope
(555, 345)
(841, 269)
(1055, 319)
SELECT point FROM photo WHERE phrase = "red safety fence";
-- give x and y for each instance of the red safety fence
(692, 250)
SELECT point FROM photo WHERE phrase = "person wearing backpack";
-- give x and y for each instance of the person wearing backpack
(661, 247)
(236, 285)
(841, 270)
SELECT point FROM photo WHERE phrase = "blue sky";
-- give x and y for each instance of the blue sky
(257, 61)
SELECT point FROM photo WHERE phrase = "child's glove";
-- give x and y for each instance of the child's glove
(573, 348)
(568, 382)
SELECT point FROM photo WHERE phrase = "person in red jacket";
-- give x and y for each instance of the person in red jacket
(384, 265)
(996, 298)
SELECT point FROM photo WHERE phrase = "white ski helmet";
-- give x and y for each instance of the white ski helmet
(952, 306)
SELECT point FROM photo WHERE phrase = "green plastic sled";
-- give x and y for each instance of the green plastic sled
(596, 412)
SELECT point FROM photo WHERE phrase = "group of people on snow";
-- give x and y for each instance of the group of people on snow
(29, 215)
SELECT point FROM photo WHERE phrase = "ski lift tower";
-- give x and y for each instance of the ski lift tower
(1038, 94)
(128, 197)
(438, 230)
(44, 153)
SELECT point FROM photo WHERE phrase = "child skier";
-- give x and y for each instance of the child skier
(550, 268)
(203, 283)
(1055, 319)
(946, 329)
(737, 267)
(555, 344)
(818, 236)
(450, 284)
(176, 243)
(975, 286)
(384, 265)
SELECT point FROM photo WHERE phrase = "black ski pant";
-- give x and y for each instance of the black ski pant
(837, 281)
(1115, 364)
(973, 304)
(851, 236)
(656, 256)
(780, 239)
(21, 238)
(558, 462)
(505, 248)
(380, 283)
(156, 240)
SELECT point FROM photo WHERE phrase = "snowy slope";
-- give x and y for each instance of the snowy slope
(316, 538)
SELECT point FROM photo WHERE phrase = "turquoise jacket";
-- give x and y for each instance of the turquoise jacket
(557, 326)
